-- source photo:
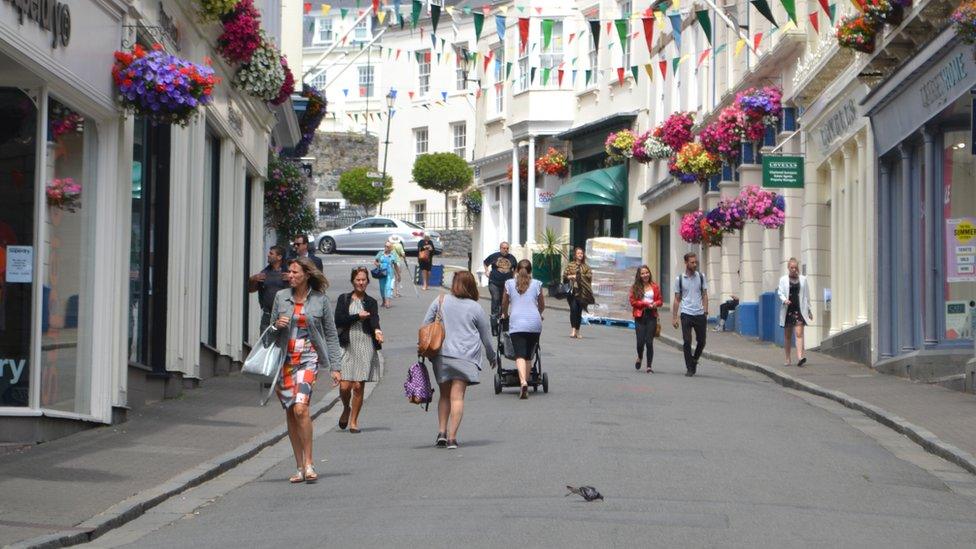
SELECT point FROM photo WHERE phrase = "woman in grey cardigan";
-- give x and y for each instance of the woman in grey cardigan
(466, 331)
(305, 330)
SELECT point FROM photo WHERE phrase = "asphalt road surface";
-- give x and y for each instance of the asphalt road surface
(723, 459)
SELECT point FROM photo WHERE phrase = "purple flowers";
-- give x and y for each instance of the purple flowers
(165, 88)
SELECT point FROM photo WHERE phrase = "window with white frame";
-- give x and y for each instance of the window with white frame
(362, 31)
(318, 79)
(420, 137)
(461, 69)
(459, 132)
(523, 71)
(366, 80)
(419, 210)
(594, 61)
(499, 79)
(423, 72)
(625, 8)
(323, 35)
(551, 57)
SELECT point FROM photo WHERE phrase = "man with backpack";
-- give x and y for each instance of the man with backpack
(691, 300)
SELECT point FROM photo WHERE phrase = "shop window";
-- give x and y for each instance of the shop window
(67, 258)
(959, 223)
(18, 130)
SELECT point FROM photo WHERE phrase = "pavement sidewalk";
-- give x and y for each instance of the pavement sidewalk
(940, 420)
(64, 490)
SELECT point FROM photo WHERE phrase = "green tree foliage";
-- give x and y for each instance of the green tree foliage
(358, 189)
(442, 172)
(286, 207)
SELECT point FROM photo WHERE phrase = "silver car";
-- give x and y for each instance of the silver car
(369, 235)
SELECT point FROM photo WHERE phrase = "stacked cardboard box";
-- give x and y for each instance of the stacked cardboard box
(614, 262)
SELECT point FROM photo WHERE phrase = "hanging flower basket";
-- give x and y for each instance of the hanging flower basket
(765, 207)
(214, 9)
(472, 201)
(728, 216)
(690, 229)
(523, 173)
(64, 194)
(675, 131)
(162, 87)
(723, 137)
(711, 236)
(311, 118)
(263, 76)
(288, 87)
(552, 163)
(694, 160)
(964, 21)
(242, 33)
(648, 148)
(883, 12)
(620, 146)
(63, 121)
(682, 176)
(285, 197)
(761, 107)
(858, 33)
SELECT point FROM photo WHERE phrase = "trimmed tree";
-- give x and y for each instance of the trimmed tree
(358, 189)
(442, 172)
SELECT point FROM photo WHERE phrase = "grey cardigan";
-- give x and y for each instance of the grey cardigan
(321, 326)
(466, 330)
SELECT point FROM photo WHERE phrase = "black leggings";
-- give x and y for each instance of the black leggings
(724, 308)
(646, 326)
(575, 312)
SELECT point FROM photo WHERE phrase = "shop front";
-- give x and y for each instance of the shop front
(58, 162)
(922, 120)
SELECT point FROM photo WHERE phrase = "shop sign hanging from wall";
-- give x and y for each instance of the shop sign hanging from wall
(782, 172)
(50, 15)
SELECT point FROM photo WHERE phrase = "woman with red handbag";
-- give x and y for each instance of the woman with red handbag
(645, 298)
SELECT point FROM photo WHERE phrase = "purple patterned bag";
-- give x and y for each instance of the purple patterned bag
(417, 388)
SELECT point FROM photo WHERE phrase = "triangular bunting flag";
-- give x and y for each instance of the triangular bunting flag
(609, 24)
(546, 71)
(381, 16)
(532, 72)
(435, 15)
(345, 92)
(588, 75)
(415, 14)
(620, 75)
(702, 57)
(674, 65)
(664, 68)
(410, 93)
(815, 21)
(634, 70)
(343, 12)
(326, 8)
(763, 8)
(500, 27)
(523, 24)
(376, 6)
(546, 33)
(559, 77)
(595, 32)
(649, 69)
(676, 29)
(573, 78)
(706, 23)
(756, 40)
(479, 24)
(739, 45)
(790, 7)
(444, 95)
(508, 70)
(487, 60)
(720, 49)
(571, 36)
(307, 7)
(648, 32)
(622, 32)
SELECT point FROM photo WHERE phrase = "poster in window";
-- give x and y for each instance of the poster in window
(960, 245)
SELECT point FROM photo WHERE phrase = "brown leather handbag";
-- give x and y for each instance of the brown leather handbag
(431, 336)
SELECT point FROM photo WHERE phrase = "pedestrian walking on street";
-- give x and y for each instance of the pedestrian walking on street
(723, 311)
(425, 259)
(302, 249)
(357, 318)
(523, 305)
(794, 310)
(466, 332)
(645, 298)
(269, 282)
(499, 267)
(385, 263)
(580, 279)
(691, 300)
(401, 256)
(306, 332)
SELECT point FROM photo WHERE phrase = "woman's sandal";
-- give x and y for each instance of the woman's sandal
(650, 370)
(345, 413)
(310, 474)
(524, 394)
(297, 477)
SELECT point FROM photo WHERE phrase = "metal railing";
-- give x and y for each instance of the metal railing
(435, 221)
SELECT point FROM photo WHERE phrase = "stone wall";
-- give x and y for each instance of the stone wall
(336, 153)
(456, 243)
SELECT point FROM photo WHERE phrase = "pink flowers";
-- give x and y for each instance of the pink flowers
(620, 146)
(762, 107)
(64, 194)
(675, 131)
(724, 136)
(690, 229)
(765, 207)
(241, 36)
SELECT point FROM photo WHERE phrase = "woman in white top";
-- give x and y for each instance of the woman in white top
(794, 310)
(523, 304)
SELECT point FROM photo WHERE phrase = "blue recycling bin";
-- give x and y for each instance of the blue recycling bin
(747, 319)
(768, 316)
(436, 275)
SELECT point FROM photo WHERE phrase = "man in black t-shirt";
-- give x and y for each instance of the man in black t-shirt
(268, 282)
(501, 267)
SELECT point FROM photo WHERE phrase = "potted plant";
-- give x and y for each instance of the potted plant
(547, 259)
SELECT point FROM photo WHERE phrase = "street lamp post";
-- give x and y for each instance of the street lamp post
(390, 98)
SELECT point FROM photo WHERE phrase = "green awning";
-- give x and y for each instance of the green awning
(606, 187)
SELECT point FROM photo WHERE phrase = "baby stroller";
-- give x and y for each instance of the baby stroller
(508, 377)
